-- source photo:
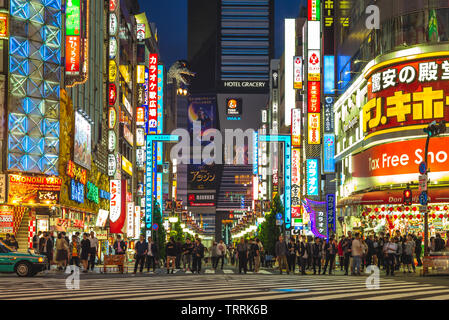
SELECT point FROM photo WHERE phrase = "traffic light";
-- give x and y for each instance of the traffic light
(408, 197)
(434, 129)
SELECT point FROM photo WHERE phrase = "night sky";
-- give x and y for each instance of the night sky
(170, 17)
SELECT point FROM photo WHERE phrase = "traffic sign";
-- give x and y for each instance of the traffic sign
(278, 216)
(155, 226)
(422, 182)
(423, 198)
(422, 168)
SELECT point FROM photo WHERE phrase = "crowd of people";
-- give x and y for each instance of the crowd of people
(354, 251)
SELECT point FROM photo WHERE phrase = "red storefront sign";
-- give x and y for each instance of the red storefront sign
(401, 157)
(112, 5)
(152, 92)
(112, 96)
(314, 96)
(72, 49)
(296, 212)
(405, 94)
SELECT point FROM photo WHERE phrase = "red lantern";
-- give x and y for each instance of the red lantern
(383, 208)
(403, 216)
(399, 209)
(441, 216)
(395, 217)
(363, 214)
(429, 207)
(383, 216)
(410, 217)
(376, 209)
(418, 216)
(437, 208)
(445, 207)
(391, 209)
(414, 209)
(379, 217)
(407, 209)
(369, 210)
(434, 215)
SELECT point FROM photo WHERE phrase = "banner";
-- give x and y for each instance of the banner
(116, 214)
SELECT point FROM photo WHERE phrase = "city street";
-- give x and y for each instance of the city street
(227, 285)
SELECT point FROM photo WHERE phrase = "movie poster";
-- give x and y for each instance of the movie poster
(202, 109)
(83, 142)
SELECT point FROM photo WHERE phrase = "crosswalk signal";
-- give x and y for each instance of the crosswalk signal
(408, 197)
(434, 129)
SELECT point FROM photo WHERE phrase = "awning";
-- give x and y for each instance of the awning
(392, 197)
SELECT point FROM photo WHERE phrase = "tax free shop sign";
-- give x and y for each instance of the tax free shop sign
(398, 162)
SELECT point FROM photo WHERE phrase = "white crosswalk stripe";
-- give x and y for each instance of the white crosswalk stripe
(221, 285)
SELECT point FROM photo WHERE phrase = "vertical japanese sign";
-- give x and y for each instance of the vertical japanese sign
(329, 115)
(314, 128)
(297, 69)
(149, 183)
(314, 10)
(160, 129)
(130, 220)
(152, 93)
(329, 153)
(73, 34)
(296, 127)
(318, 218)
(331, 212)
(314, 94)
(313, 173)
(296, 179)
(116, 218)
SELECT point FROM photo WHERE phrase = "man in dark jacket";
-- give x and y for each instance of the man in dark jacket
(178, 254)
(198, 254)
(120, 249)
(418, 250)
(187, 249)
(46, 248)
(281, 251)
(292, 249)
(347, 249)
(302, 254)
(242, 255)
(141, 251)
(316, 255)
(330, 249)
(152, 254)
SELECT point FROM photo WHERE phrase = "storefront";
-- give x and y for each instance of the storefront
(380, 143)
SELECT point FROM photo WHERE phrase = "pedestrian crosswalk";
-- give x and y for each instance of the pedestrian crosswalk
(219, 286)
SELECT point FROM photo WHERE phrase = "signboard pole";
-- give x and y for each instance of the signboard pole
(426, 213)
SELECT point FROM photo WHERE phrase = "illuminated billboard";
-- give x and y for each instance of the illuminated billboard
(314, 128)
(313, 177)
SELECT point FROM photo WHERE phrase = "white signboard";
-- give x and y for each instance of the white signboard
(112, 48)
(297, 73)
(112, 165)
(140, 30)
(140, 137)
(130, 220)
(140, 157)
(115, 203)
(314, 65)
(112, 141)
(137, 221)
(113, 24)
(102, 218)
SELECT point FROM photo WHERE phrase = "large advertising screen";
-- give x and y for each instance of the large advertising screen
(204, 110)
(407, 95)
(33, 189)
(83, 142)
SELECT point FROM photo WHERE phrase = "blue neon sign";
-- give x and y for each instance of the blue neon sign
(329, 153)
(312, 177)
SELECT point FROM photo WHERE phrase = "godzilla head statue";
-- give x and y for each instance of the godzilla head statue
(179, 71)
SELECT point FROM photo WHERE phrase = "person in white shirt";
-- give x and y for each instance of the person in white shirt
(93, 251)
(357, 252)
(390, 249)
(221, 252)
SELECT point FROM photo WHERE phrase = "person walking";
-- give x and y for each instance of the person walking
(178, 254)
(141, 247)
(418, 250)
(370, 250)
(390, 249)
(93, 250)
(341, 255)
(46, 248)
(380, 251)
(213, 255)
(251, 253)
(330, 249)
(197, 255)
(187, 250)
(170, 250)
(357, 252)
(85, 249)
(120, 249)
(347, 243)
(242, 255)
(74, 251)
(409, 250)
(291, 257)
(151, 255)
(256, 248)
(221, 250)
(316, 255)
(281, 251)
(302, 254)
(36, 239)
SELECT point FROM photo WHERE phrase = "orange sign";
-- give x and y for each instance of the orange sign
(72, 49)
(314, 128)
(4, 25)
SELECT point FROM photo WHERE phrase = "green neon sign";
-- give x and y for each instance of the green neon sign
(73, 18)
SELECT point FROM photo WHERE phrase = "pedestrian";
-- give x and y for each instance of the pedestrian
(330, 249)
(187, 250)
(281, 251)
(398, 253)
(36, 239)
(409, 250)
(151, 255)
(390, 249)
(93, 250)
(257, 248)
(197, 255)
(178, 254)
(303, 254)
(341, 256)
(347, 251)
(170, 250)
(357, 252)
(380, 251)
(251, 253)
(13, 243)
(291, 257)
(61, 252)
(74, 252)
(46, 248)
(221, 250)
(316, 255)
(213, 255)
(85, 249)
(120, 249)
(242, 255)
(141, 248)
(439, 243)
(418, 250)
(370, 249)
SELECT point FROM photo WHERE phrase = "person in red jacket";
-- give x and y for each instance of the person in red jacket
(340, 253)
